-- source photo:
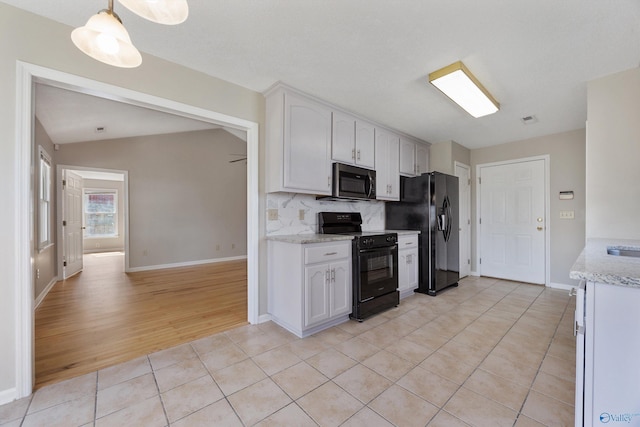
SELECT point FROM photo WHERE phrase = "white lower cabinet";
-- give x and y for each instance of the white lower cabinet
(607, 355)
(309, 285)
(408, 264)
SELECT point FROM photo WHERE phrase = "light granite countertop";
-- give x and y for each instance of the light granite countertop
(595, 265)
(302, 239)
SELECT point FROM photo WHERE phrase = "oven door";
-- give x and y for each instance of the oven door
(378, 272)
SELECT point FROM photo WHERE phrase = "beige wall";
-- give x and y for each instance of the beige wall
(29, 38)
(442, 156)
(613, 151)
(567, 158)
(45, 268)
(106, 244)
(186, 201)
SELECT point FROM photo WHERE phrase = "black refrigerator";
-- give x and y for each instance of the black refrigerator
(429, 203)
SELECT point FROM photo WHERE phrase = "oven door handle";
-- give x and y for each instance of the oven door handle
(384, 249)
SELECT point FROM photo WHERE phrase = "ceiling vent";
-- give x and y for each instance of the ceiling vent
(529, 120)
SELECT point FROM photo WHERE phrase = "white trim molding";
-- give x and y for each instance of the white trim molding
(26, 75)
(185, 264)
(563, 286)
(8, 396)
(44, 292)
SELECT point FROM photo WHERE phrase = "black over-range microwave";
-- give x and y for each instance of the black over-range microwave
(352, 182)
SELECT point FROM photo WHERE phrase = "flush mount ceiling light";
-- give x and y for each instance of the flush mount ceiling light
(168, 12)
(457, 82)
(105, 39)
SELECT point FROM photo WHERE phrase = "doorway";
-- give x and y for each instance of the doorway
(26, 76)
(103, 227)
(463, 172)
(513, 210)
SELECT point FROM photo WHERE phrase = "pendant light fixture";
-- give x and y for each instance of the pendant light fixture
(168, 12)
(457, 82)
(105, 39)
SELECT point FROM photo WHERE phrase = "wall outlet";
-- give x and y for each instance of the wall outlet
(37, 273)
(567, 215)
(272, 214)
(301, 214)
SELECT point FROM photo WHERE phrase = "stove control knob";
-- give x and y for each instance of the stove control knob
(391, 239)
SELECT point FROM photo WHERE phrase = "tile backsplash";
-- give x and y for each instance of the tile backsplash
(288, 208)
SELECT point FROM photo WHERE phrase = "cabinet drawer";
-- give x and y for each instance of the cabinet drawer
(314, 254)
(407, 241)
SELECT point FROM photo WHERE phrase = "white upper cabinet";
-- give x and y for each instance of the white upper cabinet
(414, 157)
(387, 165)
(352, 141)
(298, 144)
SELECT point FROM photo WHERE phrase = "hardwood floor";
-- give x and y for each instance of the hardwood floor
(102, 316)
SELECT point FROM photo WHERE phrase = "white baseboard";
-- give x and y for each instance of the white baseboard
(561, 286)
(474, 273)
(264, 318)
(8, 396)
(184, 264)
(99, 250)
(44, 293)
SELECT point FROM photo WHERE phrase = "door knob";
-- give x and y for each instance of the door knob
(539, 228)
(539, 219)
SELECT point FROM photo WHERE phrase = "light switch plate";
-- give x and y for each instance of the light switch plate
(301, 214)
(272, 214)
(567, 215)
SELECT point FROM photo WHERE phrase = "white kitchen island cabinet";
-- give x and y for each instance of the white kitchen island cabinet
(298, 146)
(309, 283)
(607, 324)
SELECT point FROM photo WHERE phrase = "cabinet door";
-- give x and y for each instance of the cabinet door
(341, 290)
(343, 144)
(307, 143)
(387, 176)
(365, 145)
(422, 159)
(412, 268)
(407, 157)
(316, 294)
(393, 173)
(403, 270)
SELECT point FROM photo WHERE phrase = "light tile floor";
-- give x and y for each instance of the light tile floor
(488, 353)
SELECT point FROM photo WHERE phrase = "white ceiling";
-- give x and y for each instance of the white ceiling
(70, 117)
(373, 56)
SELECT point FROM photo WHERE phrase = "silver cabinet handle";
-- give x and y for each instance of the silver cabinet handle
(329, 181)
(327, 276)
(333, 274)
(331, 253)
(353, 153)
(358, 155)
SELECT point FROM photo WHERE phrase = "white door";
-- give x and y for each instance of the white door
(316, 294)
(464, 182)
(341, 289)
(72, 223)
(512, 221)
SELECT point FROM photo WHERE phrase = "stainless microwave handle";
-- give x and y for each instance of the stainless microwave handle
(372, 185)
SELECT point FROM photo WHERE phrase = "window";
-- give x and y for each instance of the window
(100, 213)
(44, 200)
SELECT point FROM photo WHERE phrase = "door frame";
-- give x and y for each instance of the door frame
(457, 164)
(26, 75)
(60, 201)
(547, 211)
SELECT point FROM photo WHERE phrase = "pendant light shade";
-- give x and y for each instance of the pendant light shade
(168, 12)
(105, 39)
